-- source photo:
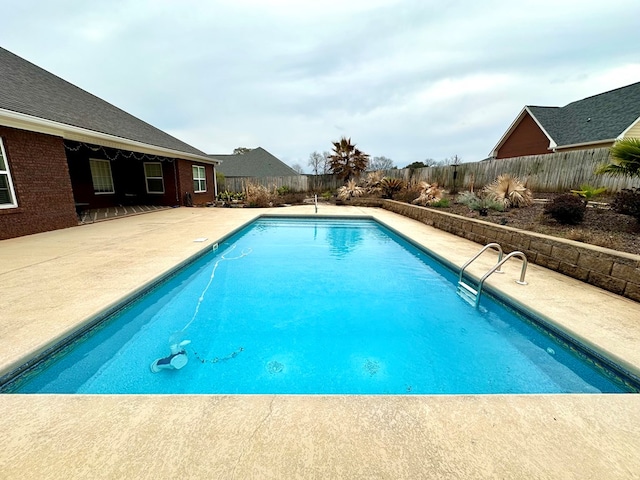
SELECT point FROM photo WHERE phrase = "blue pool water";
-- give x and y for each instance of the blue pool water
(317, 306)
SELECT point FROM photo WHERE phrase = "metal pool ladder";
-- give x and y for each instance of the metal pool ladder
(472, 295)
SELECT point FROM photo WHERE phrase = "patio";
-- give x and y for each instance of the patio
(53, 282)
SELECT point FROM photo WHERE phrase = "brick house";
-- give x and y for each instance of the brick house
(62, 149)
(592, 122)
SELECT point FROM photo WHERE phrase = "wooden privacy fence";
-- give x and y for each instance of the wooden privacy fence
(554, 172)
(297, 183)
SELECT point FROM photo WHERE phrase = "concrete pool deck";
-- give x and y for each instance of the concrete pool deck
(53, 282)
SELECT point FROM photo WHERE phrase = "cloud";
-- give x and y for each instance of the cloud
(405, 79)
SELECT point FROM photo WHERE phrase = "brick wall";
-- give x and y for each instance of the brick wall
(617, 272)
(185, 183)
(38, 167)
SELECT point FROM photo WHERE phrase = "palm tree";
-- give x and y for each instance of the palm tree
(346, 161)
(625, 159)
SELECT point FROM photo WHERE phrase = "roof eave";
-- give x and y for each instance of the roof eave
(69, 132)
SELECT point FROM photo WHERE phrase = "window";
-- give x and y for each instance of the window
(101, 176)
(199, 179)
(153, 176)
(7, 195)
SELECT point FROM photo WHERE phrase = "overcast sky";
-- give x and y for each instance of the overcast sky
(404, 79)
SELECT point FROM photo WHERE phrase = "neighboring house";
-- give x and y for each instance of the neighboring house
(63, 149)
(256, 163)
(593, 122)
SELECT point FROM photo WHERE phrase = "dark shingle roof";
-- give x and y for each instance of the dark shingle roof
(255, 163)
(601, 117)
(28, 89)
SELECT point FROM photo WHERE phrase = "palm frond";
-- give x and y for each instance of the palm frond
(509, 191)
(625, 159)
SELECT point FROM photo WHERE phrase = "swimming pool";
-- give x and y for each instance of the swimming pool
(317, 306)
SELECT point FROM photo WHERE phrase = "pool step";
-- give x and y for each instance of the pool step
(467, 293)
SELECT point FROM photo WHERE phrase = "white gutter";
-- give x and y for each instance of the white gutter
(573, 145)
(40, 125)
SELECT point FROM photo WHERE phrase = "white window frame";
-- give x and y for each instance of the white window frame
(98, 161)
(7, 173)
(147, 178)
(200, 178)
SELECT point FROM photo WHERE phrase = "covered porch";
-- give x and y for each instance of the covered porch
(103, 177)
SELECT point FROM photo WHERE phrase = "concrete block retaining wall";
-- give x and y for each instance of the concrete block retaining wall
(618, 272)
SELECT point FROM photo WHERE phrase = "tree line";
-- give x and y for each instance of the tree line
(346, 161)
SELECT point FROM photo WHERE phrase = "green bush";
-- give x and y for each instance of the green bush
(627, 201)
(443, 203)
(480, 204)
(588, 192)
(567, 209)
(283, 190)
(229, 196)
(467, 198)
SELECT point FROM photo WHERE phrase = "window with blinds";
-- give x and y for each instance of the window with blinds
(101, 176)
(199, 179)
(153, 177)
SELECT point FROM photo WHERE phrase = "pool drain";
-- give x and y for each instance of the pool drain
(274, 367)
(371, 367)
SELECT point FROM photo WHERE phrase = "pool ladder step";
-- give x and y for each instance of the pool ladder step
(467, 293)
(472, 295)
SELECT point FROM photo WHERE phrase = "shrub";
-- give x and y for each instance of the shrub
(510, 191)
(627, 201)
(283, 190)
(478, 204)
(467, 198)
(567, 209)
(407, 195)
(293, 198)
(442, 203)
(326, 195)
(220, 180)
(390, 186)
(588, 192)
(229, 196)
(350, 190)
(429, 194)
(373, 183)
(258, 196)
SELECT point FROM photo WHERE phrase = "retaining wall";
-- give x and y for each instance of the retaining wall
(617, 272)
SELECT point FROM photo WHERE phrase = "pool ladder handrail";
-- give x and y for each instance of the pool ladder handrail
(482, 250)
(472, 294)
